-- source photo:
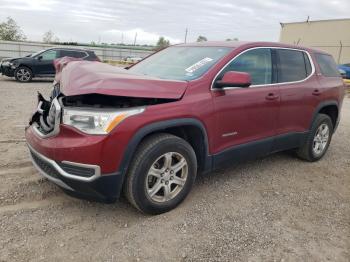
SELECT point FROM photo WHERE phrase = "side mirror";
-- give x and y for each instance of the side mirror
(40, 57)
(234, 79)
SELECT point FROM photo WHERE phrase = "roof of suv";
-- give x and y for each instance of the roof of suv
(70, 49)
(236, 44)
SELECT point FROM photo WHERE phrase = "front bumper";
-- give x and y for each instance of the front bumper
(80, 180)
(87, 165)
(7, 70)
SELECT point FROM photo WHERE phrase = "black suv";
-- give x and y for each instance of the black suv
(40, 64)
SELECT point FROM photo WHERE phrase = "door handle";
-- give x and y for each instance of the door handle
(271, 96)
(316, 92)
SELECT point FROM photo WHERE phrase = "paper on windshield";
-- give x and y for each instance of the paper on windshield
(198, 65)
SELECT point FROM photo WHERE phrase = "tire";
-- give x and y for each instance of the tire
(23, 74)
(307, 151)
(149, 185)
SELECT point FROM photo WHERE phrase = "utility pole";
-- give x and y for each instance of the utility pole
(340, 50)
(186, 35)
(122, 38)
(135, 38)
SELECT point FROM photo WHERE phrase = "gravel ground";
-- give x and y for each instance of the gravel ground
(274, 209)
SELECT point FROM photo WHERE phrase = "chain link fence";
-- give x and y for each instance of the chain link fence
(20, 49)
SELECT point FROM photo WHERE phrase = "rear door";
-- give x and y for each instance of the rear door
(299, 95)
(246, 117)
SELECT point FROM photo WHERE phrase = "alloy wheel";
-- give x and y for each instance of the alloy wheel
(23, 75)
(166, 177)
(320, 139)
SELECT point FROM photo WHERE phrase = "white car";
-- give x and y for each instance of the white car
(133, 59)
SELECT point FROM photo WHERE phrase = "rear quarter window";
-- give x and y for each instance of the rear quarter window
(327, 65)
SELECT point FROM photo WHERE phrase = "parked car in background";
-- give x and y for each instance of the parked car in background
(187, 109)
(40, 64)
(342, 73)
(345, 68)
(133, 59)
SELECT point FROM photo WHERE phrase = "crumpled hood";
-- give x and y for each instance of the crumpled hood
(12, 59)
(84, 77)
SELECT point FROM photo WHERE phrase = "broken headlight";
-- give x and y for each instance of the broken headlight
(94, 121)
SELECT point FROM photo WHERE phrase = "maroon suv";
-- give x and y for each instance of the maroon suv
(188, 109)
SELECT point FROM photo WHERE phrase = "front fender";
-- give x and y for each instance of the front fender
(159, 126)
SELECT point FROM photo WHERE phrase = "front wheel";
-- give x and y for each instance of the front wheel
(23, 74)
(318, 139)
(161, 174)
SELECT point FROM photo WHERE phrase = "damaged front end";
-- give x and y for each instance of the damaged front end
(90, 99)
(46, 118)
(94, 114)
(94, 98)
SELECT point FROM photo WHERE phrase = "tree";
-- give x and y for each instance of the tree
(162, 43)
(234, 39)
(49, 37)
(10, 31)
(201, 39)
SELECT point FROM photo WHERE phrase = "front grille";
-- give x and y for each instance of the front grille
(77, 170)
(45, 166)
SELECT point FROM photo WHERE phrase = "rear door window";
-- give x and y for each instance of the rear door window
(72, 53)
(327, 65)
(293, 65)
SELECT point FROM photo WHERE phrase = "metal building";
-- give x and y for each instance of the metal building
(332, 36)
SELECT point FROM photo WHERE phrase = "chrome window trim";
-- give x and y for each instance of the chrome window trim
(212, 88)
(64, 173)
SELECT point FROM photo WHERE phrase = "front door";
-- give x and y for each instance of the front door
(44, 63)
(246, 118)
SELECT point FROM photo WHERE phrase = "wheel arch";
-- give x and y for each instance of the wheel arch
(329, 108)
(190, 129)
(27, 66)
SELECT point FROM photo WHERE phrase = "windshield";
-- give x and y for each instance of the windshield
(180, 62)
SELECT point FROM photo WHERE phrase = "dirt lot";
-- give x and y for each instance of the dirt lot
(274, 209)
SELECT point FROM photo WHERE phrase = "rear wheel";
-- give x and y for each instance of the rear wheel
(161, 174)
(318, 140)
(23, 74)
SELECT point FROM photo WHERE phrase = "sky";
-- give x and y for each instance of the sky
(116, 21)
